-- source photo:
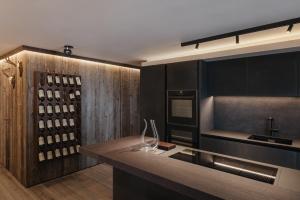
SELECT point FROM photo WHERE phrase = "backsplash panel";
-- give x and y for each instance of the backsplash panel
(248, 114)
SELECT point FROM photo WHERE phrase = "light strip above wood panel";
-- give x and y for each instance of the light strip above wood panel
(57, 53)
(259, 43)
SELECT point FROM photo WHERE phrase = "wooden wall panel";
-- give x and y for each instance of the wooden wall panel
(134, 101)
(110, 103)
(5, 118)
(12, 118)
(110, 109)
(125, 102)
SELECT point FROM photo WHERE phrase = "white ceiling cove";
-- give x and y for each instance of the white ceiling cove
(130, 31)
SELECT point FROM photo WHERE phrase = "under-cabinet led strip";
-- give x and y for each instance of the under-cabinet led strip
(244, 170)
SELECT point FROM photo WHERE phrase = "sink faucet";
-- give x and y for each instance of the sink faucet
(269, 126)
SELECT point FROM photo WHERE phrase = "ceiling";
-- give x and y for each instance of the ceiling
(130, 31)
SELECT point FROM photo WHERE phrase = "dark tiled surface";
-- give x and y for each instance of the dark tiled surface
(248, 114)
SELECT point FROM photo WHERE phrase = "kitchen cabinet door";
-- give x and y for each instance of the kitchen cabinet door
(272, 75)
(182, 76)
(254, 152)
(153, 97)
(298, 69)
(227, 77)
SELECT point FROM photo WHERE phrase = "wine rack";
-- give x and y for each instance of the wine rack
(57, 115)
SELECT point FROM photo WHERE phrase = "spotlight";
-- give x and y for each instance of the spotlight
(237, 39)
(197, 46)
(290, 28)
(68, 50)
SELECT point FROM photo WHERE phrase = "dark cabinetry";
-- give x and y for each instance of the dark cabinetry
(258, 153)
(297, 55)
(182, 86)
(272, 75)
(227, 77)
(153, 96)
(182, 76)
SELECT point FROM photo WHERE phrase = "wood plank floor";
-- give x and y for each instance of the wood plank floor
(94, 183)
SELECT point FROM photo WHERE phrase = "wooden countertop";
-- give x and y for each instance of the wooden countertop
(243, 137)
(192, 180)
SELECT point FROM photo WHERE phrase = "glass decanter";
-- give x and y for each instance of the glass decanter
(150, 144)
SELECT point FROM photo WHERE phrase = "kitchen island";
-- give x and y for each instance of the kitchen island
(146, 175)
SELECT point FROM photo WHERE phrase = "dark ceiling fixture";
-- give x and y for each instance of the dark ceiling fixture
(197, 46)
(68, 50)
(290, 28)
(289, 23)
(237, 39)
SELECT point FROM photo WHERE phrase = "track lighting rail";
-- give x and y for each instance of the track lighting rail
(290, 23)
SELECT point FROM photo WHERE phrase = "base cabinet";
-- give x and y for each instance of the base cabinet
(258, 153)
(127, 186)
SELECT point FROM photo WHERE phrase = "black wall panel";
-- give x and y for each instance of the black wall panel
(153, 97)
(227, 77)
(183, 75)
(272, 75)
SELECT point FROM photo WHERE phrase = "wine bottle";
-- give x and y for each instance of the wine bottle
(77, 93)
(41, 109)
(49, 139)
(57, 80)
(77, 148)
(65, 81)
(41, 156)
(57, 123)
(57, 153)
(49, 95)
(72, 96)
(50, 80)
(41, 125)
(71, 122)
(71, 108)
(71, 136)
(57, 138)
(49, 109)
(57, 95)
(72, 150)
(41, 141)
(41, 94)
(64, 137)
(78, 81)
(65, 151)
(49, 155)
(49, 124)
(71, 81)
(57, 109)
(64, 123)
(65, 108)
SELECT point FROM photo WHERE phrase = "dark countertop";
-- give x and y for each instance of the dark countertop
(192, 180)
(243, 137)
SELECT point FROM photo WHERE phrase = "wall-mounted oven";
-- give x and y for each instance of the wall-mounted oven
(182, 107)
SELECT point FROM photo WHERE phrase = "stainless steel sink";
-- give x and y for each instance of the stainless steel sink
(271, 139)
